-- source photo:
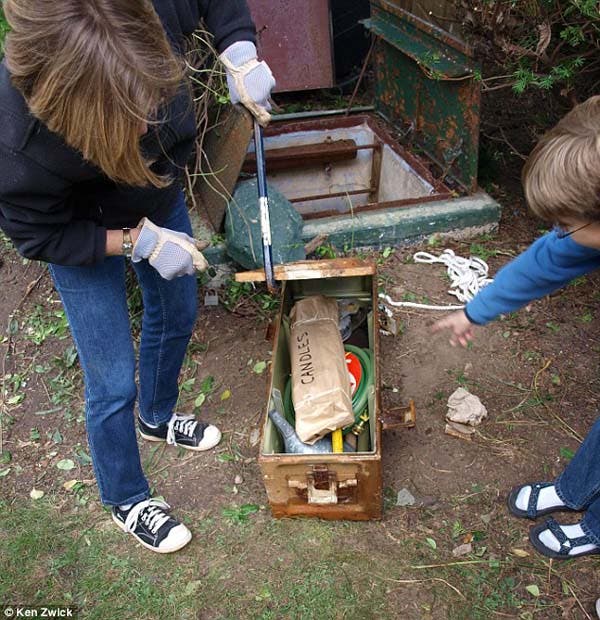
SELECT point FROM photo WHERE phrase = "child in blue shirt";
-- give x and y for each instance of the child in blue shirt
(562, 185)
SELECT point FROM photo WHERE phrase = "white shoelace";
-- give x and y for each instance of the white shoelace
(154, 515)
(185, 424)
(467, 277)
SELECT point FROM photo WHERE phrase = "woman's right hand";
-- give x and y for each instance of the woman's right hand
(171, 253)
(460, 326)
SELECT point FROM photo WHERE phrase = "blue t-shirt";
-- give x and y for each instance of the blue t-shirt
(547, 265)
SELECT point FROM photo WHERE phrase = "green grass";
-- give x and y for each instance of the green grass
(256, 568)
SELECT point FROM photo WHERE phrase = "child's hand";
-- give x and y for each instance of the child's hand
(462, 328)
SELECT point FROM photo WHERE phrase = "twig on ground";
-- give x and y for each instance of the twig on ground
(412, 581)
(464, 562)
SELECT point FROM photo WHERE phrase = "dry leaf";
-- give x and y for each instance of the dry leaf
(520, 553)
(545, 36)
(254, 437)
(461, 550)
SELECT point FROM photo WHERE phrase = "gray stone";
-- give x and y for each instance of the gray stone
(405, 498)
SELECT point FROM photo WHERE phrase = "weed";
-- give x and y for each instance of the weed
(579, 281)
(326, 251)
(43, 323)
(461, 379)
(531, 356)
(567, 454)
(389, 498)
(245, 293)
(240, 514)
(482, 252)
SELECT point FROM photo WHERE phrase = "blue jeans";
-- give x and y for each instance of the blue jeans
(96, 307)
(579, 485)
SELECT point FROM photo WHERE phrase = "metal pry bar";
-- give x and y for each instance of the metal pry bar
(263, 203)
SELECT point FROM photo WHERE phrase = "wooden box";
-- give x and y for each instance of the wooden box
(329, 486)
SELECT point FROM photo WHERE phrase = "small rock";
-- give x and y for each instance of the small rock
(405, 498)
(461, 550)
(238, 479)
(254, 437)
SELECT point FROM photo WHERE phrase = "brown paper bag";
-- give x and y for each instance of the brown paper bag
(320, 383)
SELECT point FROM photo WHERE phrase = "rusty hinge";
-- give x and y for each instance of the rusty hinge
(399, 417)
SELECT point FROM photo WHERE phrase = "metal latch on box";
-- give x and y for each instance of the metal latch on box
(321, 485)
(399, 417)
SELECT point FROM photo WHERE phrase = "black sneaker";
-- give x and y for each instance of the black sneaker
(183, 430)
(153, 527)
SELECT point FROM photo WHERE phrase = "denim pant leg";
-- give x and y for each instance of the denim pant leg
(579, 484)
(590, 523)
(170, 309)
(95, 304)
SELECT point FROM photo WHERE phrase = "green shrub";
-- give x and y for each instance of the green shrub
(538, 44)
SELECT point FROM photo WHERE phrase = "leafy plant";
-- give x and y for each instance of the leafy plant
(539, 44)
(41, 324)
(240, 514)
(326, 251)
(482, 252)
(245, 298)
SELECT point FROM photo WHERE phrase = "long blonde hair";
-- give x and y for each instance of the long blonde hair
(562, 175)
(94, 71)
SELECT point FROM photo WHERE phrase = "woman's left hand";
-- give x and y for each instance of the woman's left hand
(250, 82)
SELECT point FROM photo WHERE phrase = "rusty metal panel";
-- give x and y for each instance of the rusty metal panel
(427, 82)
(295, 39)
(223, 154)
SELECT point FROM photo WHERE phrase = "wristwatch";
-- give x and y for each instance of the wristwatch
(127, 245)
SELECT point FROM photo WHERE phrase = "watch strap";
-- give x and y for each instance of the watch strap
(127, 245)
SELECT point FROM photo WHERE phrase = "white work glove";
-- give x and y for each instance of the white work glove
(250, 82)
(171, 253)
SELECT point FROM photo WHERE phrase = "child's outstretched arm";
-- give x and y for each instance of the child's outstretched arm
(547, 265)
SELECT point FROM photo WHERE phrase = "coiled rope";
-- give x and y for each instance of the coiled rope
(467, 277)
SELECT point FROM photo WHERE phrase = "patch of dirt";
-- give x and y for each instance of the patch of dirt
(535, 371)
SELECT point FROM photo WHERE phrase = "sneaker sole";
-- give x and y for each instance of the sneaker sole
(180, 445)
(141, 542)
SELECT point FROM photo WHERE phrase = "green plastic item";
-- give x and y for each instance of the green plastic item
(242, 227)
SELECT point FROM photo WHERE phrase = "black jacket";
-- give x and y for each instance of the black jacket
(55, 206)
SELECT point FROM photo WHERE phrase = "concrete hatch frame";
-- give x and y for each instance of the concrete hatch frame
(421, 137)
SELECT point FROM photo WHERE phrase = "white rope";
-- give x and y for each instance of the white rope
(467, 277)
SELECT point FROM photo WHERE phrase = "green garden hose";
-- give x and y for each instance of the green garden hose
(360, 397)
